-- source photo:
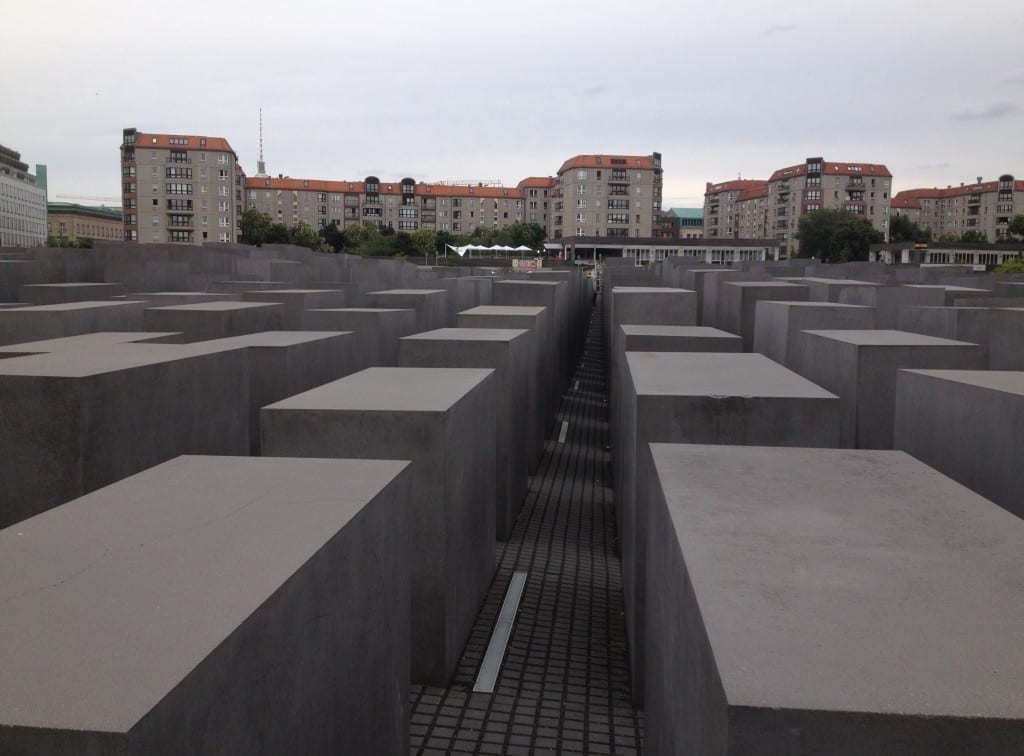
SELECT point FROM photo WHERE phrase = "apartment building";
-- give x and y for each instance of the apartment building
(773, 208)
(180, 188)
(71, 221)
(615, 196)
(984, 206)
(537, 192)
(22, 201)
(403, 205)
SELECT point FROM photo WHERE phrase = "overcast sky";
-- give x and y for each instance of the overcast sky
(461, 89)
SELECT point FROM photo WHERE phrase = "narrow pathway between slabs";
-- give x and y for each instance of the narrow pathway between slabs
(564, 684)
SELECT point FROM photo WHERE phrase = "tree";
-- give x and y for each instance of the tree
(1016, 227)
(836, 236)
(902, 229)
(423, 243)
(974, 237)
(1012, 266)
(333, 236)
(255, 227)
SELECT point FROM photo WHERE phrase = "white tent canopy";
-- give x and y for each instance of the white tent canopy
(461, 251)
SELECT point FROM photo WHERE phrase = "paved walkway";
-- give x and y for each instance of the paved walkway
(564, 685)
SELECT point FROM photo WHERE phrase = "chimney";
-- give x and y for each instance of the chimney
(979, 179)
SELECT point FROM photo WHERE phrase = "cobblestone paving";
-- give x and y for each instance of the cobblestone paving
(564, 685)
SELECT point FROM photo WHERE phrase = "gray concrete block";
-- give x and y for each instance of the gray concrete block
(889, 301)
(737, 304)
(295, 302)
(541, 400)
(72, 421)
(212, 605)
(240, 287)
(999, 332)
(215, 320)
(441, 420)
(825, 289)
(777, 325)
(89, 341)
(700, 398)
(285, 363)
(509, 353)
(667, 338)
(860, 367)
(805, 601)
(554, 296)
(967, 424)
(172, 298)
(21, 324)
(433, 306)
(60, 293)
(655, 305)
(376, 331)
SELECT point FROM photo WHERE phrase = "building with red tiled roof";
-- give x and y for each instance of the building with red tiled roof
(180, 188)
(773, 208)
(986, 207)
(616, 196)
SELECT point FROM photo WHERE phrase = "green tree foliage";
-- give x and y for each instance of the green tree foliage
(836, 236)
(82, 242)
(1016, 227)
(1012, 266)
(259, 228)
(333, 237)
(973, 237)
(902, 229)
(423, 243)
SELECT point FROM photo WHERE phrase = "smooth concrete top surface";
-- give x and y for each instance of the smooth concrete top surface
(272, 338)
(529, 283)
(763, 284)
(468, 334)
(717, 374)
(82, 285)
(66, 306)
(111, 600)
(384, 389)
(86, 341)
(832, 305)
(503, 310)
(649, 290)
(276, 292)
(217, 306)
(689, 332)
(418, 292)
(887, 338)
(361, 309)
(1007, 381)
(947, 288)
(849, 580)
(836, 281)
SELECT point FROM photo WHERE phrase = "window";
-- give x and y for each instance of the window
(581, 175)
(175, 188)
(581, 204)
(128, 170)
(222, 175)
(581, 189)
(581, 217)
(222, 159)
(175, 172)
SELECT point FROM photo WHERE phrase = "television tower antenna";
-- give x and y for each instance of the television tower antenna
(261, 167)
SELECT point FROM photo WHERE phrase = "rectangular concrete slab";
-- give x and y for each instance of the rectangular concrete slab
(540, 400)
(682, 397)
(216, 320)
(967, 424)
(509, 353)
(74, 420)
(860, 367)
(212, 605)
(433, 306)
(999, 332)
(376, 331)
(295, 302)
(738, 302)
(443, 421)
(828, 601)
(777, 324)
(23, 324)
(59, 293)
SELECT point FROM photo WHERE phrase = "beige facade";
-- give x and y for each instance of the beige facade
(755, 209)
(180, 188)
(22, 203)
(73, 222)
(616, 196)
(399, 205)
(984, 206)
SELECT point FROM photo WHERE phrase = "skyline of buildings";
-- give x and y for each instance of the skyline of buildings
(22, 201)
(193, 189)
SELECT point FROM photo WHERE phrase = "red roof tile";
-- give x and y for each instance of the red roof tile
(644, 162)
(163, 141)
(737, 185)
